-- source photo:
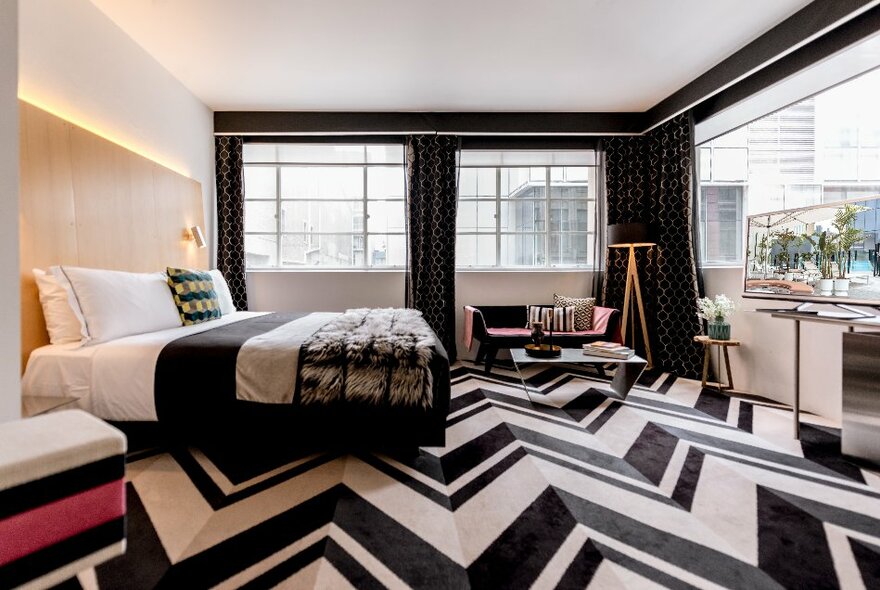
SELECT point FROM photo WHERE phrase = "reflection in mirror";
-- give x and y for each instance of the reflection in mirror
(822, 251)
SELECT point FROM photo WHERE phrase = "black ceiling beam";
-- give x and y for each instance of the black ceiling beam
(355, 123)
(306, 122)
(793, 31)
(849, 33)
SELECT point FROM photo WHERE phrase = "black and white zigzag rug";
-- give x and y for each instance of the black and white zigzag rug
(675, 487)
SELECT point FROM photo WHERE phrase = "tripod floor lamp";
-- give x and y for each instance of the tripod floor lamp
(632, 236)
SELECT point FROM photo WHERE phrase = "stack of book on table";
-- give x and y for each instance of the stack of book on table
(609, 349)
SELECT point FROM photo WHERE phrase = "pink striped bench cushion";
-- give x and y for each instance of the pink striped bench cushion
(62, 496)
(527, 332)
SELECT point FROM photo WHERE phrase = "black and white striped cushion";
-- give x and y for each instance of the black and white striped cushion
(534, 313)
(562, 318)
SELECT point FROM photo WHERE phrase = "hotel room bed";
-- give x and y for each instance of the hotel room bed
(187, 378)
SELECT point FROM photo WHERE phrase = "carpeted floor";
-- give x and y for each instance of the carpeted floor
(675, 487)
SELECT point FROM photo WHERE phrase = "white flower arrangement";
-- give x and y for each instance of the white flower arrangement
(716, 310)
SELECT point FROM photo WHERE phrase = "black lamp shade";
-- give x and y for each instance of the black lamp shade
(624, 235)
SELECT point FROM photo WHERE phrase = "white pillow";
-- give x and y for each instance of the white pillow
(55, 271)
(221, 287)
(116, 304)
(62, 323)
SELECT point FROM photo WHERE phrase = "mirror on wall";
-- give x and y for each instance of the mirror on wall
(827, 252)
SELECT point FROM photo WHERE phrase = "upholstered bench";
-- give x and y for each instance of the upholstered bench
(62, 497)
(504, 326)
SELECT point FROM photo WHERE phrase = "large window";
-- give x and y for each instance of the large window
(526, 209)
(823, 149)
(326, 206)
(342, 206)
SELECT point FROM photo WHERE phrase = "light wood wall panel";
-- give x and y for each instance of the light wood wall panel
(86, 201)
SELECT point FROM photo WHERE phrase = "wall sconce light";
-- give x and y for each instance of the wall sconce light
(195, 234)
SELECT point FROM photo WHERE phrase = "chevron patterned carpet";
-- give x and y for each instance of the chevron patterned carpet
(675, 487)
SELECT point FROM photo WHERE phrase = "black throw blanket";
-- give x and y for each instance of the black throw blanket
(195, 394)
(196, 374)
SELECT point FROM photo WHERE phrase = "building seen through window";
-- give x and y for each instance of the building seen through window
(342, 206)
(820, 150)
(514, 212)
(320, 205)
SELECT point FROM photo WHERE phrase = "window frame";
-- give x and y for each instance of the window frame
(364, 234)
(591, 200)
(703, 223)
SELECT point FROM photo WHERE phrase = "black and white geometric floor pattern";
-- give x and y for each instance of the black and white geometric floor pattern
(674, 487)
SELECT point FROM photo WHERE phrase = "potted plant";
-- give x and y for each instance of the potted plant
(784, 238)
(847, 237)
(716, 311)
(807, 256)
(808, 245)
(762, 250)
(827, 247)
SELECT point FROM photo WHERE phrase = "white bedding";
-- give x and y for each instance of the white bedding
(113, 380)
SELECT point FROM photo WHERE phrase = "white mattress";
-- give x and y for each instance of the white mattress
(113, 380)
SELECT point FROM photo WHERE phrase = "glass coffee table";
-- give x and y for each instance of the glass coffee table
(626, 372)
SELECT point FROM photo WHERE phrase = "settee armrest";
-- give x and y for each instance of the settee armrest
(607, 320)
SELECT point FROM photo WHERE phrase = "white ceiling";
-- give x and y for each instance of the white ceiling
(441, 55)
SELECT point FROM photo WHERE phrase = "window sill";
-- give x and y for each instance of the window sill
(318, 269)
(400, 270)
(476, 269)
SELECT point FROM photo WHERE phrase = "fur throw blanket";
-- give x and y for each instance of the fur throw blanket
(372, 356)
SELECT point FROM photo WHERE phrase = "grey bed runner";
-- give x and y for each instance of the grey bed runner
(268, 364)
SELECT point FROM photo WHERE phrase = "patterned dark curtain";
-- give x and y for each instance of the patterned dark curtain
(600, 220)
(431, 201)
(230, 216)
(649, 179)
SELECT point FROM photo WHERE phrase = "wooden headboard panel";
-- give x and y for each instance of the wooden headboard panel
(87, 201)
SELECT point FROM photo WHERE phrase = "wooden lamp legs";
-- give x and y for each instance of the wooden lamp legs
(632, 285)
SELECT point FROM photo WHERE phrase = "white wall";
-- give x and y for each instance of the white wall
(75, 62)
(764, 364)
(10, 319)
(339, 290)
(323, 290)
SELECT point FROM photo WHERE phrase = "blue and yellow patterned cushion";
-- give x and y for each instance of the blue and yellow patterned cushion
(194, 295)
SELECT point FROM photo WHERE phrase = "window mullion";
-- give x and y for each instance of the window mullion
(364, 230)
(278, 220)
(497, 217)
(547, 216)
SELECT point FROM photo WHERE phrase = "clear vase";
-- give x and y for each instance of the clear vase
(719, 330)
